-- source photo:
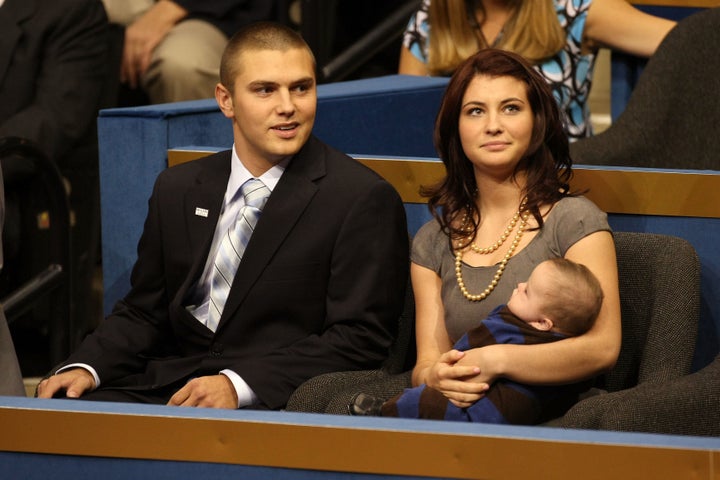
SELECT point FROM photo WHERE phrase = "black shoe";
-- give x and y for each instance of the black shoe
(365, 405)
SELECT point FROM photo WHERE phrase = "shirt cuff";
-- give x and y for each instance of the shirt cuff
(86, 367)
(245, 394)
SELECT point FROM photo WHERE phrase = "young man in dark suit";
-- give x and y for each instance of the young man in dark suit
(320, 283)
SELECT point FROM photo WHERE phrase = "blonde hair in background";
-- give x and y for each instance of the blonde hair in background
(532, 31)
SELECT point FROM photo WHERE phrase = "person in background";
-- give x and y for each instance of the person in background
(503, 208)
(258, 267)
(54, 77)
(560, 299)
(559, 37)
(172, 48)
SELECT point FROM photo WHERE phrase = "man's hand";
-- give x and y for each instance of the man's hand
(74, 382)
(216, 391)
(143, 35)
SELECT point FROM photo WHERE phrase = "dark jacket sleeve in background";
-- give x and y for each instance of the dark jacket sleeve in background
(229, 15)
(53, 68)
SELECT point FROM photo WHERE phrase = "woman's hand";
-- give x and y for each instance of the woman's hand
(438, 365)
(456, 380)
(487, 360)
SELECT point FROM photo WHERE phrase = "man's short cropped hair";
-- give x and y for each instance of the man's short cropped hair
(257, 36)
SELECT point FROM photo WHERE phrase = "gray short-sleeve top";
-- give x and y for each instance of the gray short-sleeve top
(571, 219)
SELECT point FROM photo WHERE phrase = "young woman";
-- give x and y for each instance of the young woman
(502, 209)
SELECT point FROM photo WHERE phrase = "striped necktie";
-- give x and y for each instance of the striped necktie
(233, 246)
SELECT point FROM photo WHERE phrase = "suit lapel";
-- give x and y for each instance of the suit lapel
(201, 206)
(289, 199)
(12, 14)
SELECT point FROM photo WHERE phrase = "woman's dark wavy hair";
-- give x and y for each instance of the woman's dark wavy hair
(547, 161)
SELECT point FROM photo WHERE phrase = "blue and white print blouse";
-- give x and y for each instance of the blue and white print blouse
(569, 72)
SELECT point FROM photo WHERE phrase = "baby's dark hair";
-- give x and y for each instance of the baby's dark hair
(575, 299)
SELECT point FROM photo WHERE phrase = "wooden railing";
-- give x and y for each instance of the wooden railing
(615, 190)
(298, 444)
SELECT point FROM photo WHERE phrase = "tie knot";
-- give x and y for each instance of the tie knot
(255, 193)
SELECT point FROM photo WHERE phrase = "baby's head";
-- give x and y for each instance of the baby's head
(560, 295)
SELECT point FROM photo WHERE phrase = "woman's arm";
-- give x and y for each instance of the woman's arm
(620, 26)
(436, 362)
(575, 358)
(410, 65)
(431, 335)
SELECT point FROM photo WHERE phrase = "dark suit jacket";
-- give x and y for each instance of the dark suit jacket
(319, 289)
(53, 68)
(229, 15)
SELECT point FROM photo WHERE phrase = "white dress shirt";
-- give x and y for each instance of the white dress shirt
(232, 204)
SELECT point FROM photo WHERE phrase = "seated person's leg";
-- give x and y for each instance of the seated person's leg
(185, 65)
(156, 397)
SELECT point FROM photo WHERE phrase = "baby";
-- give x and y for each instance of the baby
(560, 299)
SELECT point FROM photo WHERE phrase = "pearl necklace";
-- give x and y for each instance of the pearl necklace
(523, 216)
(503, 237)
